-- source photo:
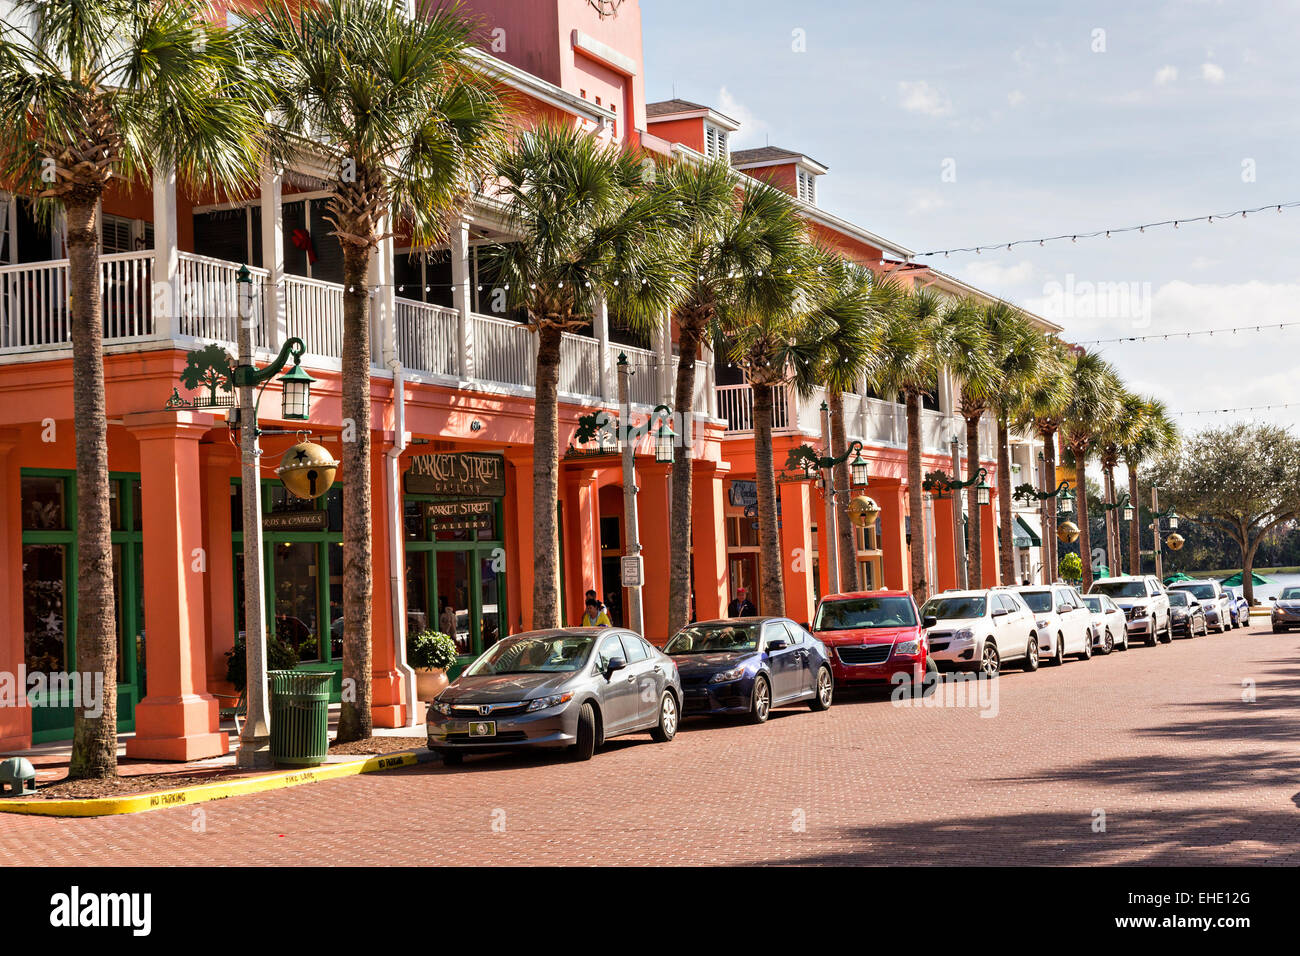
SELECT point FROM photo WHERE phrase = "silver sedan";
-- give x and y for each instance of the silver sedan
(565, 688)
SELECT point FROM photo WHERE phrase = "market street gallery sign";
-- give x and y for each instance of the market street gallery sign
(462, 474)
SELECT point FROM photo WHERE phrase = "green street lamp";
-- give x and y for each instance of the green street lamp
(295, 395)
(1066, 499)
(859, 470)
(982, 487)
(664, 436)
(1124, 505)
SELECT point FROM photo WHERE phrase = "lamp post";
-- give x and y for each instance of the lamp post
(1065, 498)
(1156, 516)
(255, 736)
(1125, 507)
(859, 476)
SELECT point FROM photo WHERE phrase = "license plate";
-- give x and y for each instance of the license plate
(482, 728)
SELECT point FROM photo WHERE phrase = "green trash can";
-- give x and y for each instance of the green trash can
(300, 711)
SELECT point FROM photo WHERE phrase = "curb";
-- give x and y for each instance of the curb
(161, 799)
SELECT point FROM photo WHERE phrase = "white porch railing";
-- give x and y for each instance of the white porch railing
(504, 351)
(427, 337)
(34, 301)
(207, 305)
(314, 313)
(736, 407)
(579, 365)
(643, 385)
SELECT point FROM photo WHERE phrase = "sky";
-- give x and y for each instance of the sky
(949, 124)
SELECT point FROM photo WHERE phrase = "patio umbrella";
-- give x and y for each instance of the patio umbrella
(1235, 580)
(1176, 578)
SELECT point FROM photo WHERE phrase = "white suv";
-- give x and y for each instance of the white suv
(1144, 603)
(981, 630)
(1064, 624)
(1216, 601)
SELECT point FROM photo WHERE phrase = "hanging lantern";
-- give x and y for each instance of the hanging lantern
(1067, 502)
(1068, 532)
(295, 394)
(1128, 512)
(863, 512)
(982, 492)
(665, 442)
(1173, 521)
(307, 470)
(858, 469)
(1175, 541)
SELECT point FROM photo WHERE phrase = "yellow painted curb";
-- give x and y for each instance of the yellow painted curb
(161, 799)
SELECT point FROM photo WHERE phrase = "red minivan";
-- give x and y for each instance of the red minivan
(873, 635)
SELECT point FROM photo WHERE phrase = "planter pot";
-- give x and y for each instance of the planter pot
(430, 682)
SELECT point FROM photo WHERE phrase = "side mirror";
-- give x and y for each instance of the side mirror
(1272, 597)
(805, 625)
(776, 645)
(929, 621)
(614, 664)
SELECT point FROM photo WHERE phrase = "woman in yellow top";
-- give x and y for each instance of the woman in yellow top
(595, 615)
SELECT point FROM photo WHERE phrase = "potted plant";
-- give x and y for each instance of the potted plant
(1071, 568)
(279, 657)
(430, 653)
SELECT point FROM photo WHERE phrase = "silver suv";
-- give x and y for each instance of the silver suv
(1145, 605)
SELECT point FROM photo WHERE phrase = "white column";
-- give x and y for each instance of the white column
(663, 348)
(462, 298)
(275, 315)
(166, 254)
(383, 304)
(600, 328)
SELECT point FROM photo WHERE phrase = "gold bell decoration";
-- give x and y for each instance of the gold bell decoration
(1068, 532)
(863, 511)
(307, 470)
(1175, 541)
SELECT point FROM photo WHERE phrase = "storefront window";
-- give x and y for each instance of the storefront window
(297, 620)
(43, 504)
(490, 596)
(453, 597)
(45, 606)
(417, 591)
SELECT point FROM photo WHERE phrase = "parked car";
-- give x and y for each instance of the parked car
(1064, 624)
(1216, 602)
(1240, 607)
(1109, 623)
(981, 630)
(749, 665)
(1286, 610)
(1188, 614)
(873, 635)
(1144, 602)
(564, 687)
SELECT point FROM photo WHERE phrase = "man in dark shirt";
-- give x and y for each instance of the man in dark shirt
(740, 605)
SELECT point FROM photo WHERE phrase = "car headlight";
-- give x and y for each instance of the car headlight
(1044, 623)
(734, 674)
(907, 649)
(1178, 613)
(965, 634)
(440, 707)
(555, 700)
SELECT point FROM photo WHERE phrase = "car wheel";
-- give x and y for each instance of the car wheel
(990, 662)
(451, 758)
(930, 682)
(1108, 642)
(1277, 630)
(1153, 636)
(586, 745)
(1031, 655)
(1086, 653)
(667, 727)
(1169, 630)
(1059, 657)
(761, 704)
(825, 690)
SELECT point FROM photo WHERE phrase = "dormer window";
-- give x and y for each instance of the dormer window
(715, 142)
(807, 187)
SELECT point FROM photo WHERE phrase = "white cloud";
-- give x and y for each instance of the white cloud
(1166, 75)
(1015, 97)
(1212, 73)
(926, 202)
(751, 126)
(998, 278)
(918, 96)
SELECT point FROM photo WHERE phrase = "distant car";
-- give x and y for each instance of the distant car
(981, 630)
(1188, 614)
(1110, 625)
(1064, 624)
(1241, 607)
(749, 665)
(1216, 602)
(1145, 604)
(873, 635)
(563, 687)
(1286, 610)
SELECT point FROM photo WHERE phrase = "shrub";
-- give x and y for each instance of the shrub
(430, 649)
(1071, 567)
(279, 657)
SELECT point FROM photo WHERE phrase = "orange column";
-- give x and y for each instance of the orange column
(16, 714)
(945, 553)
(796, 549)
(989, 543)
(581, 540)
(709, 541)
(818, 502)
(519, 540)
(178, 718)
(652, 504)
(893, 534)
(219, 463)
(388, 696)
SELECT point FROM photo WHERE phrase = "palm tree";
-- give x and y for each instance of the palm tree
(763, 318)
(92, 92)
(842, 327)
(413, 125)
(1018, 352)
(969, 358)
(906, 362)
(585, 221)
(1112, 438)
(1093, 404)
(1155, 435)
(1042, 406)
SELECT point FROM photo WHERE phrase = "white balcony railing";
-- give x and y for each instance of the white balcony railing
(207, 304)
(427, 337)
(34, 301)
(314, 313)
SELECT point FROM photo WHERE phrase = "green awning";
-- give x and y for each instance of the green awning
(1023, 536)
(1180, 577)
(1235, 580)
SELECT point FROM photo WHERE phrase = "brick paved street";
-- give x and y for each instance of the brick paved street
(1157, 738)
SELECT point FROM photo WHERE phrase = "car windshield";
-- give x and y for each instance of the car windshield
(865, 612)
(1289, 594)
(954, 608)
(551, 653)
(1179, 599)
(1121, 589)
(1037, 600)
(1093, 601)
(1205, 591)
(714, 638)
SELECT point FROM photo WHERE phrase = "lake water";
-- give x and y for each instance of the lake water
(1276, 583)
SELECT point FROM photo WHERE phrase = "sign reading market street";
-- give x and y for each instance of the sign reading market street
(463, 474)
(471, 514)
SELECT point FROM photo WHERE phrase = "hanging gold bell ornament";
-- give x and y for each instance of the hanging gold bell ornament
(1175, 542)
(863, 511)
(1068, 532)
(307, 470)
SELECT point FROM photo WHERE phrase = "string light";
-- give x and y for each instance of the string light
(1240, 408)
(1163, 336)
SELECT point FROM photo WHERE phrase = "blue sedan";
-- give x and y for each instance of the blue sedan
(749, 665)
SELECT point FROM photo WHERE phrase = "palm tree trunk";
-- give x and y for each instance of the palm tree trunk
(771, 572)
(1134, 526)
(1007, 554)
(915, 498)
(1085, 538)
(847, 546)
(974, 570)
(1112, 537)
(94, 739)
(1050, 555)
(546, 451)
(679, 521)
(355, 716)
